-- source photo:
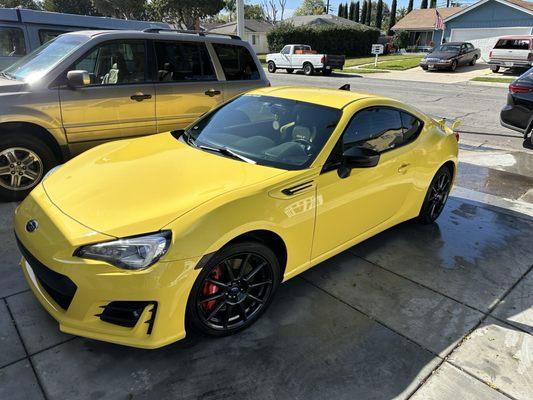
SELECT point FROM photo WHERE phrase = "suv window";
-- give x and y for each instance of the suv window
(46, 35)
(513, 44)
(12, 42)
(376, 128)
(183, 62)
(237, 62)
(115, 63)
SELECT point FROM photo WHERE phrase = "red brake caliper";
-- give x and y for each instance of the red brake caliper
(210, 289)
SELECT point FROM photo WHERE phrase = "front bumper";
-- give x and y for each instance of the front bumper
(76, 292)
(435, 65)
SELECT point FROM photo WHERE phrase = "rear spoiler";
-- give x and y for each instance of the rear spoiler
(443, 123)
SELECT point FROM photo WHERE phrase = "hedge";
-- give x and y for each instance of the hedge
(350, 40)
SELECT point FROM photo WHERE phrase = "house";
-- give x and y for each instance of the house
(323, 19)
(481, 23)
(255, 32)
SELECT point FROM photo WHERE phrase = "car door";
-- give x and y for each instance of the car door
(465, 55)
(348, 207)
(241, 72)
(118, 102)
(285, 57)
(186, 84)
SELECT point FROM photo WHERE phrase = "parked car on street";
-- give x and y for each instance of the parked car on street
(518, 113)
(137, 241)
(22, 31)
(302, 57)
(85, 88)
(450, 56)
(512, 52)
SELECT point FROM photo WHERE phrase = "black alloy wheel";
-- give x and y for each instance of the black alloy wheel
(436, 197)
(234, 289)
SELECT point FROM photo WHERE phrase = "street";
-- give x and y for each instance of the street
(478, 106)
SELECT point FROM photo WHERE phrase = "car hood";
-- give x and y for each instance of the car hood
(11, 86)
(442, 55)
(131, 187)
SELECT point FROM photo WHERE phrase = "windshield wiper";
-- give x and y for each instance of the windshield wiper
(227, 152)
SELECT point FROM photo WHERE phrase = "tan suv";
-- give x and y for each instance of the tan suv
(87, 87)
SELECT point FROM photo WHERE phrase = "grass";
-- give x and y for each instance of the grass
(353, 62)
(358, 71)
(492, 79)
(397, 65)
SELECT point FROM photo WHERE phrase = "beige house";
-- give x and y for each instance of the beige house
(255, 33)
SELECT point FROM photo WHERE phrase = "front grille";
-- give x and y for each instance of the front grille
(59, 287)
(127, 313)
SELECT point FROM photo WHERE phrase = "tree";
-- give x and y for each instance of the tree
(339, 12)
(185, 13)
(369, 13)
(82, 7)
(345, 11)
(254, 11)
(424, 4)
(270, 9)
(433, 4)
(126, 9)
(311, 7)
(379, 14)
(351, 13)
(30, 4)
(356, 12)
(282, 6)
(410, 6)
(392, 20)
(363, 13)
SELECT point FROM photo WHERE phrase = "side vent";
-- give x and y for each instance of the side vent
(297, 188)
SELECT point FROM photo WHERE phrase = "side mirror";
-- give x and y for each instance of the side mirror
(78, 78)
(357, 157)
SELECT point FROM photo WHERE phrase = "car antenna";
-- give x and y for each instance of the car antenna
(345, 87)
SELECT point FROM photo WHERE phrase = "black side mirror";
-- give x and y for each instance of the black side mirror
(357, 157)
(78, 78)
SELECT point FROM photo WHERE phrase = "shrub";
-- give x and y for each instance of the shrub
(401, 40)
(350, 40)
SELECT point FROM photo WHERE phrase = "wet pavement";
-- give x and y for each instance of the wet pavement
(422, 312)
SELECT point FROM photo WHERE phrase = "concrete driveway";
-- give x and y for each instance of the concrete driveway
(422, 312)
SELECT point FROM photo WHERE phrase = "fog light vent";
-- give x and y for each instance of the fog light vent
(127, 313)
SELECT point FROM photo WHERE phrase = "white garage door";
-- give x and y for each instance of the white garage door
(486, 38)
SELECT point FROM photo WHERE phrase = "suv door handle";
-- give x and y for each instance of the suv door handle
(212, 92)
(140, 96)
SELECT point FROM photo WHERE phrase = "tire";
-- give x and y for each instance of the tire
(453, 67)
(436, 196)
(289, 70)
(271, 67)
(233, 310)
(308, 69)
(326, 72)
(473, 62)
(425, 68)
(28, 157)
(495, 68)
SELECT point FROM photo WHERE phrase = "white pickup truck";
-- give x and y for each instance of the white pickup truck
(512, 52)
(301, 56)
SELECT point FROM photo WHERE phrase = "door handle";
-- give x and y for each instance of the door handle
(402, 169)
(140, 96)
(212, 92)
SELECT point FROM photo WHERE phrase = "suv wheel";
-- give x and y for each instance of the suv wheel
(271, 67)
(495, 68)
(308, 69)
(24, 159)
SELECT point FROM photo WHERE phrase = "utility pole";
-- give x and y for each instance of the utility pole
(240, 18)
(327, 7)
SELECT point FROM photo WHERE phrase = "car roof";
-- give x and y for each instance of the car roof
(326, 97)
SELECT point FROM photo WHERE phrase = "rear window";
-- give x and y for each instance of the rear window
(526, 78)
(12, 42)
(513, 44)
(237, 62)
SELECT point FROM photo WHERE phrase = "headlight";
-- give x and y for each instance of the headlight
(135, 253)
(51, 171)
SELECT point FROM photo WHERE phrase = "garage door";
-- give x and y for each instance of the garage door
(486, 38)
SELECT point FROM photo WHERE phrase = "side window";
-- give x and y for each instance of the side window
(115, 63)
(377, 128)
(286, 50)
(46, 35)
(411, 127)
(183, 62)
(237, 62)
(12, 42)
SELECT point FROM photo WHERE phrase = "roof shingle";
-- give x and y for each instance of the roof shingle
(424, 18)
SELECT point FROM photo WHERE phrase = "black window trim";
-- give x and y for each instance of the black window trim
(330, 166)
(44, 30)
(258, 66)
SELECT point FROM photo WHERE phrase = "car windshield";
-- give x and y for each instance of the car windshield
(36, 64)
(270, 131)
(449, 48)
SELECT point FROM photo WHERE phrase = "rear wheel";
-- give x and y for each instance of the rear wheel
(308, 69)
(24, 159)
(494, 68)
(436, 196)
(473, 62)
(289, 70)
(234, 289)
(271, 67)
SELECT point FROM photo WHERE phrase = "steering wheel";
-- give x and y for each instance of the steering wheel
(307, 144)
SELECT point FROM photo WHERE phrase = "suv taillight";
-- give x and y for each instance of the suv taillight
(514, 88)
(490, 54)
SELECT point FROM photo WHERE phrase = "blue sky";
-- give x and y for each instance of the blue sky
(334, 4)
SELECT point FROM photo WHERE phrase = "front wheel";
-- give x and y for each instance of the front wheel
(436, 196)
(24, 159)
(473, 62)
(271, 67)
(453, 67)
(308, 69)
(233, 289)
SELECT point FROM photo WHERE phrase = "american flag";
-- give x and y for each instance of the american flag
(439, 22)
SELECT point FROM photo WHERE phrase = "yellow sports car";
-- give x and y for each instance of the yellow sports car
(137, 241)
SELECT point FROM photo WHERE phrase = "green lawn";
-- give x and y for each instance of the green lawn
(352, 62)
(397, 65)
(493, 79)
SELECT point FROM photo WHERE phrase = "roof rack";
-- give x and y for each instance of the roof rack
(189, 32)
